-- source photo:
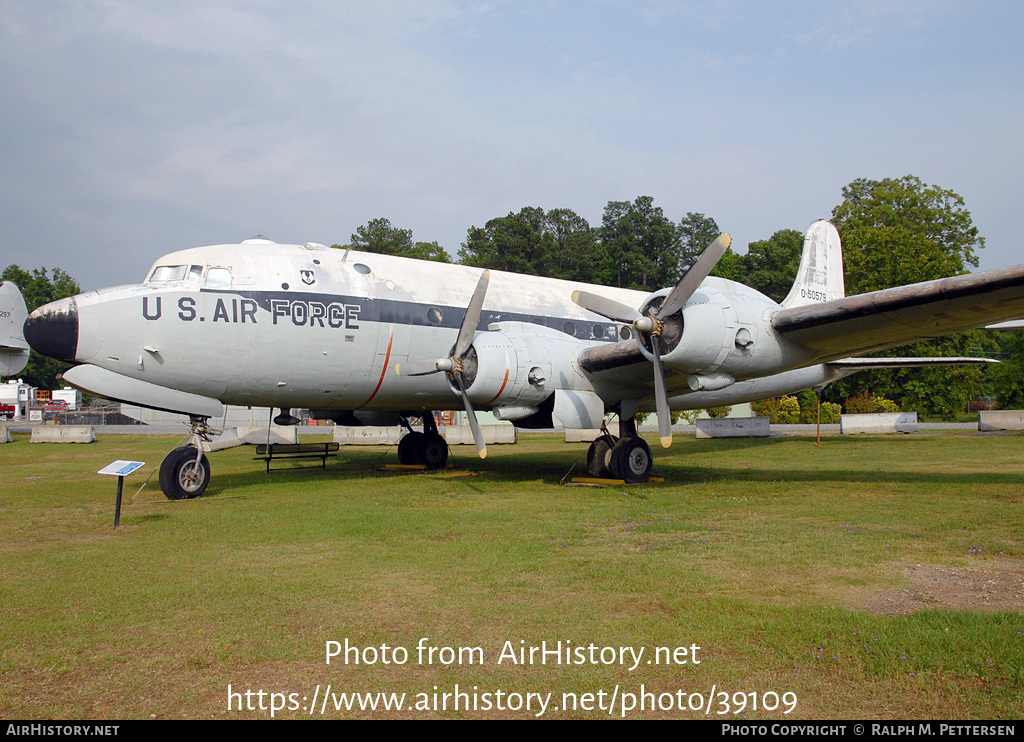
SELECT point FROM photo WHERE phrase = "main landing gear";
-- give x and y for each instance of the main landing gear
(427, 449)
(627, 458)
(185, 471)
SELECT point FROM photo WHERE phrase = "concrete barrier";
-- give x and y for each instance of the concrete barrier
(733, 427)
(252, 435)
(5, 434)
(63, 434)
(368, 435)
(879, 422)
(1001, 420)
(589, 435)
(458, 435)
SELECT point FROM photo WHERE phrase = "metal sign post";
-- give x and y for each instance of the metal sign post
(120, 469)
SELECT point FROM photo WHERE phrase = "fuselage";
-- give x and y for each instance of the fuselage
(264, 324)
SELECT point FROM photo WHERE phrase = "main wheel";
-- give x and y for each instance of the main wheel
(599, 457)
(411, 449)
(632, 460)
(435, 451)
(181, 478)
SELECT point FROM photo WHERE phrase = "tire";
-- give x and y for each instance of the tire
(599, 457)
(180, 478)
(632, 460)
(411, 449)
(435, 451)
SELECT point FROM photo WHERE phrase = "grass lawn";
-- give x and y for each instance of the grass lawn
(875, 577)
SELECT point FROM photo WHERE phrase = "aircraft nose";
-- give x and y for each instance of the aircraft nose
(52, 329)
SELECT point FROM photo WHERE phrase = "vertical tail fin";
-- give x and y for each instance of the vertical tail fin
(13, 312)
(820, 276)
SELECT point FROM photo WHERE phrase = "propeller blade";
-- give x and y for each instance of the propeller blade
(472, 318)
(478, 436)
(421, 367)
(661, 397)
(694, 276)
(605, 307)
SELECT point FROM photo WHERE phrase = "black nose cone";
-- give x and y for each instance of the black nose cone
(53, 329)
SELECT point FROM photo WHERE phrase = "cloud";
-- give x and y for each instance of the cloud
(143, 127)
(860, 23)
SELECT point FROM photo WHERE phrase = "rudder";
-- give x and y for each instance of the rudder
(820, 276)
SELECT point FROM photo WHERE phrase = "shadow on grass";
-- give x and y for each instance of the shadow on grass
(692, 474)
(549, 462)
(150, 517)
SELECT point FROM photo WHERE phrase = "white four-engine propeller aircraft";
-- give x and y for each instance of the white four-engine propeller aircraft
(359, 338)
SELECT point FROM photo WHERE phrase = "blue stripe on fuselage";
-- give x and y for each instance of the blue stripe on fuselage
(340, 311)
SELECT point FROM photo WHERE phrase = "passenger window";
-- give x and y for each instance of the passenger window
(218, 278)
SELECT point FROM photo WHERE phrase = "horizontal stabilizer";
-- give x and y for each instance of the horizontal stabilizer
(906, 314)
(1017, 324)
(866, 364)
(13, 346)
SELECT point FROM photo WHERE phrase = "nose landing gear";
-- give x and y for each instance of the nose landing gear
(185, 471)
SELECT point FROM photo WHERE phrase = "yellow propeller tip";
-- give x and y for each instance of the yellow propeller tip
(483, 453)
(666, 442)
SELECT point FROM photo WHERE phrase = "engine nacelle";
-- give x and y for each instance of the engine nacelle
(713, 338)
(515, 366)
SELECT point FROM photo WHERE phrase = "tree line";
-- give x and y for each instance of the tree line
(40, 286)
(894, 231)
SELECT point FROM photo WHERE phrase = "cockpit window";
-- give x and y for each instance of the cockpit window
(218, 278)
(195, 272)
(168, 273)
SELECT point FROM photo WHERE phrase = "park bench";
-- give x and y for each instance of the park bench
(270, 451)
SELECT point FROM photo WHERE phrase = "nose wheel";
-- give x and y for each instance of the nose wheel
(184, 473)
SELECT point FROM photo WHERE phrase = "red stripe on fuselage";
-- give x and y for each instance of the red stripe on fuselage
(387, 359)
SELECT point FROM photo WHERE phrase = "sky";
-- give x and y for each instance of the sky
(132, 129)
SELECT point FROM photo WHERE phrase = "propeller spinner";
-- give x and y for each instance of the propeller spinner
(455, 364)
(652, 325)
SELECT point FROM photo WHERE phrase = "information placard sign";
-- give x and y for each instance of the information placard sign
(121, 468)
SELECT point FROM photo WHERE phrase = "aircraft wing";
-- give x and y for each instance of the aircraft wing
(907, 314)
